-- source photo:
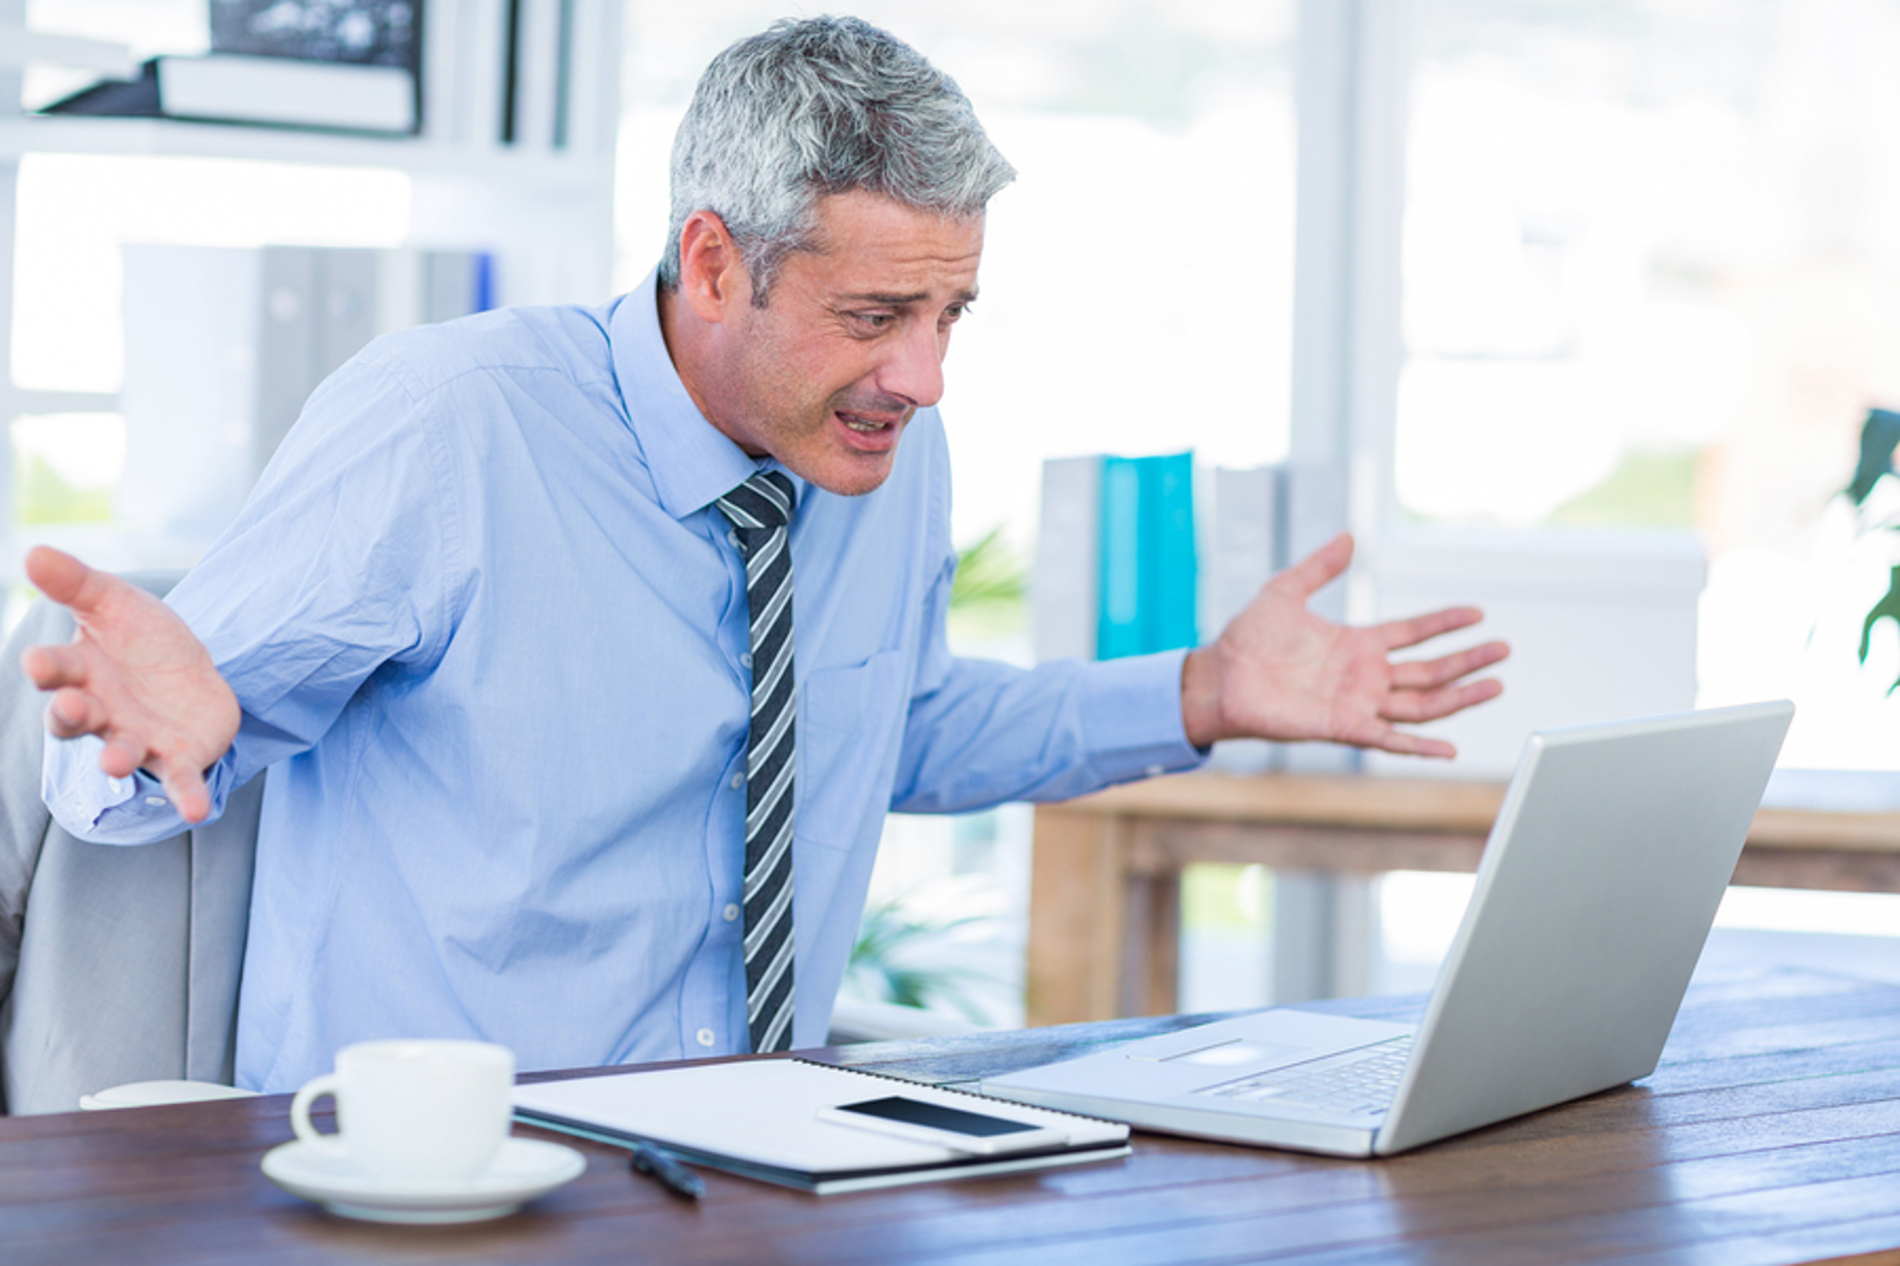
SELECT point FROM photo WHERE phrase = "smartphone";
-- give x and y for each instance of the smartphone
(975, 1133)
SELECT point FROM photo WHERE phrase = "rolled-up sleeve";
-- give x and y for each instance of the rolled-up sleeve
(991, 732)
(980, 733)
(106, 810)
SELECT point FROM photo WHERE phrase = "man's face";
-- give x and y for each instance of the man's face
(850, 343)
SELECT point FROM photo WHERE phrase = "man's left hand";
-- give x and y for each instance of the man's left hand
(1279, 672)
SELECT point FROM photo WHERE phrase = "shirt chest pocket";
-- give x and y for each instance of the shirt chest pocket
(850, 727)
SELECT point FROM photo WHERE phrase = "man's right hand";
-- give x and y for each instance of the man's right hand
(135, 675)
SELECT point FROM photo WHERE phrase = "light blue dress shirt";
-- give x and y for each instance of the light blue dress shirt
(490, 637)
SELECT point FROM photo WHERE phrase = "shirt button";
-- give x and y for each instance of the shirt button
(155, 801)
(732, 538)
(738, 781)
(745, 657)
(1154, 771)
(705, 1037)
(730, 913)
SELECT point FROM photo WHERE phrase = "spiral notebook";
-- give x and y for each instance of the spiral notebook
(778, 1120)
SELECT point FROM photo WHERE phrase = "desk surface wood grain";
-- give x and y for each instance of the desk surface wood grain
(1770, 1134)
(1424, 805)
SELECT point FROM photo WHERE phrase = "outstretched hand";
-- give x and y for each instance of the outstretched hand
(135, 675)
(1278, 671)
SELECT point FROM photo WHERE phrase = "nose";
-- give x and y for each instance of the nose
(915, 368)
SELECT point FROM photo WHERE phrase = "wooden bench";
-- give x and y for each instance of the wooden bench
(1104, 913)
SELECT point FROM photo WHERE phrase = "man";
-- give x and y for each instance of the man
(510, 616)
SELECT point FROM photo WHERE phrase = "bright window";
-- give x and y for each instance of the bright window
(1652, 279)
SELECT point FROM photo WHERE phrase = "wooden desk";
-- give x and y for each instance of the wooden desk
(1104, 922)
(1771, 1134)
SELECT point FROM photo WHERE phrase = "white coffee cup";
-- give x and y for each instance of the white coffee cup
(413, 1111)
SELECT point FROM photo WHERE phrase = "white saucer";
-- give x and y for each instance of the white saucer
(521, 1170)
(153, 1094)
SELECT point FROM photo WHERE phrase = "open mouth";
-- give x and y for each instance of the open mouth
(870, 433)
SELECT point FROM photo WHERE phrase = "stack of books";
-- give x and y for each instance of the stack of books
(283, 63)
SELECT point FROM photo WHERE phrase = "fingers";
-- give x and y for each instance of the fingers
(1430, 674)
(1320, 568)
(65, 579)
(183, 783)
(50, 667)
(73, 712)
(121, 757)
(186, 789)
(1422, 628)
(184, 786)
(1388, 739)
(1416, 706)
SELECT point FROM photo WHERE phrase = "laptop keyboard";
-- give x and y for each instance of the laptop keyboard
(1359, 1081)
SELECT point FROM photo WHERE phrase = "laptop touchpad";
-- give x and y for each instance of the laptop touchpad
(1237, 1051)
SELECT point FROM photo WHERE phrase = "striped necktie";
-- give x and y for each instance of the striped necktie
(759, 510)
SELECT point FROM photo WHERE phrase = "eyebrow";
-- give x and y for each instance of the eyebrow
(899, 300)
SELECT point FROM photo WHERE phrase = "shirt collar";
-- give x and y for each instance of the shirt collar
(691, 461)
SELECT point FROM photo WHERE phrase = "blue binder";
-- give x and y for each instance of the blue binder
(1147, 585)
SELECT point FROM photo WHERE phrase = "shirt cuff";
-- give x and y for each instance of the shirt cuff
(98, 808)
(1131, 718)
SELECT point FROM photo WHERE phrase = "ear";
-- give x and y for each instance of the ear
(713, 278)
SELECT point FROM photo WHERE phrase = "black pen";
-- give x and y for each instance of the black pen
(665, 1168)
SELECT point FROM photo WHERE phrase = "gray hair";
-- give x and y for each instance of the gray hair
(815, 107)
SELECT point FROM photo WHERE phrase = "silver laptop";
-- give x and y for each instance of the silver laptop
(1598, 885)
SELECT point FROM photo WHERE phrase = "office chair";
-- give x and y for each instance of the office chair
(116, 964)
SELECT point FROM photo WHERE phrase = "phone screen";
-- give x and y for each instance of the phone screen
(936, 1117)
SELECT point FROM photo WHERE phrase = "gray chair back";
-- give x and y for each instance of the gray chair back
(116, 964)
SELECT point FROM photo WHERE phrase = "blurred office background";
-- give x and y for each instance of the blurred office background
(1583, 303)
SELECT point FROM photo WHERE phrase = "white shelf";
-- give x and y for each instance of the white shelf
(22, 47)
(417, 155)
